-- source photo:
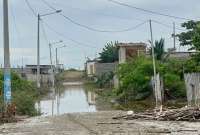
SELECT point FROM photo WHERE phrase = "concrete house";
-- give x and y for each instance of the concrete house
(130, 50)
(90, 67)
(31, 73)
(95, 68)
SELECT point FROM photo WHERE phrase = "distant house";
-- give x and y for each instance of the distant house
(90, 67)
(31, 73)
(130, 50)
(180, 55)
(95, 68)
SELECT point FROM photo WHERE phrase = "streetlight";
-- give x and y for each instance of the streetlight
(51, 61)
(57, 55)
(38, 44)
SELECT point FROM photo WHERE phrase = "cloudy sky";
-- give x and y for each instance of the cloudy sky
(98, 14)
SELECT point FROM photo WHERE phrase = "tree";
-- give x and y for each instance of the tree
(159, 49)
(109, 53)
(196, 43)
(191, 38)
(186, 38)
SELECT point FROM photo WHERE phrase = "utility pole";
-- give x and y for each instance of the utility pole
(38, 53)
(174, 35)
(152, 48)
(52, 69)
(7, 73)
(153, 57)
(56, 60)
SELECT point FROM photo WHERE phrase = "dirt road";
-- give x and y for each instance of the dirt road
(99, 123)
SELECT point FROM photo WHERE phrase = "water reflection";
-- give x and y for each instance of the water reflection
(71, 99)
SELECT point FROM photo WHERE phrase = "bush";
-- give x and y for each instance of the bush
(24, 95)
(175, 85)
(104, 80)
(135, 79)
(25, 103)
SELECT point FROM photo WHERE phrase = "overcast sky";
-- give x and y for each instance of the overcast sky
(99, 14)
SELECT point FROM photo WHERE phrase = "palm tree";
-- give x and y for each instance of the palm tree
(159, 49)
(109, 53)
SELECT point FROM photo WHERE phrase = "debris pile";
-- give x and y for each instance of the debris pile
(181, 114)
(9, 115)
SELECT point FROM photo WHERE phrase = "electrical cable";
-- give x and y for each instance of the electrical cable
(90, 28)
(148, 11)
(166, 25)
(30, 7)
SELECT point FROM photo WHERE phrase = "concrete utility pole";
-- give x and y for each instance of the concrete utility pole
(52, 69)
(51, 61)
(7, 73)
(38, 44)
(38, 52)
(174, 35)
(56, 57)
(152, 46)
(57, 61)
(153, 57)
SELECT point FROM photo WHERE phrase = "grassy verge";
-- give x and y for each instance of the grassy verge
(24, 95)
(107, 99)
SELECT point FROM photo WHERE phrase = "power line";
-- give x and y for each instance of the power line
(98, 30)
(75, 8)
(148, 11)
(44, 33)
(103, 14)
(62, 35)
(58, 33)
(30, 7)
(166, 25)
(90, 28)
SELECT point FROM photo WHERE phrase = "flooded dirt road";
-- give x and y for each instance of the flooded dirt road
(72, 98)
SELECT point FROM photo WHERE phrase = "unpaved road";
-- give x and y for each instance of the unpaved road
(99, 123)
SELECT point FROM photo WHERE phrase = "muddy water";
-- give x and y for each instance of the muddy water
(74, 98)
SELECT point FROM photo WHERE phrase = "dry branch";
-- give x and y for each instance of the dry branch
(182, 114)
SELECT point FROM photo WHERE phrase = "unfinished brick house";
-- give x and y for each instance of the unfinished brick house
(130, 50)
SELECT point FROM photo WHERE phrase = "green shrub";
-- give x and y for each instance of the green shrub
(135, 79)
(104, 80)
(25, 103)
(175, 85)
(24, 95)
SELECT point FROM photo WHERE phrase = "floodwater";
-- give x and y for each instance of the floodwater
(72, 99)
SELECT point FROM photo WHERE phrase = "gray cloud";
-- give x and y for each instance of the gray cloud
(100, 14)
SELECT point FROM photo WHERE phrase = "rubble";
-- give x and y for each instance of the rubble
(181, 114)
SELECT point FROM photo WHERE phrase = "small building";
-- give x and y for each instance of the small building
(180, 55)
(90, 67)
(95, 68)
(130, 50)
(45, 70)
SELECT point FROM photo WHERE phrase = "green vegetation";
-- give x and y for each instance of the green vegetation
(109, 53)
(24, 95)
(105, 80)
(135, 78)
(135, 90)
(191, 38)
(186, 38)
(159, 49)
